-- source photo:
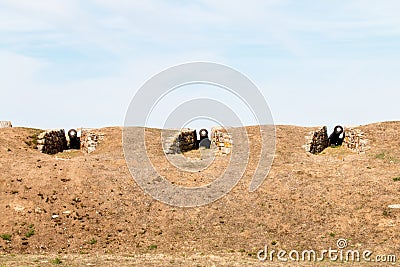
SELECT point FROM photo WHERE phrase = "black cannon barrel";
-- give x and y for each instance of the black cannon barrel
(203, 134)
(72, 133)
(204, 140)
(337, 137)
(74, 140)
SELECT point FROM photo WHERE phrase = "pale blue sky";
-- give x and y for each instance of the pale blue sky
(78, 63)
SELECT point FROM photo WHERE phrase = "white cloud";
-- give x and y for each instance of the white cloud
(37, 15)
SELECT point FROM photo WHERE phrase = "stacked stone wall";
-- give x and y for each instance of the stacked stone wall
(52, 141)
(222, 139)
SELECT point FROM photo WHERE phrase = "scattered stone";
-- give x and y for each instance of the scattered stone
(55, 216)
(18, 207)
(38, 210)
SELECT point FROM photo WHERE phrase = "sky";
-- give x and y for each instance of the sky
(71, 63)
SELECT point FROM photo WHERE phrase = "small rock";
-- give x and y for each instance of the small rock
(18, 207)
(38, 210)
(55, 216)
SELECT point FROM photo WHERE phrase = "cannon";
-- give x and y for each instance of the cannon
(204, 140)
(203, 134)
(74, 140)
(337, 137)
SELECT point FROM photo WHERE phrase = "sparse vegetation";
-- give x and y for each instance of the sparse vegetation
(152, 247)
(396, 179)
(337, 151)
(56, 261)
(387, 157)
(32, 141)
(30, 233)
(393, 159)
(6, 237)
(385, 213)
(93, 241)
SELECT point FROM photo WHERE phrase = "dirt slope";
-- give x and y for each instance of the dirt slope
(73, 203)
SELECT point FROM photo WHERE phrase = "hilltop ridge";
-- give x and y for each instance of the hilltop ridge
(89, 203)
